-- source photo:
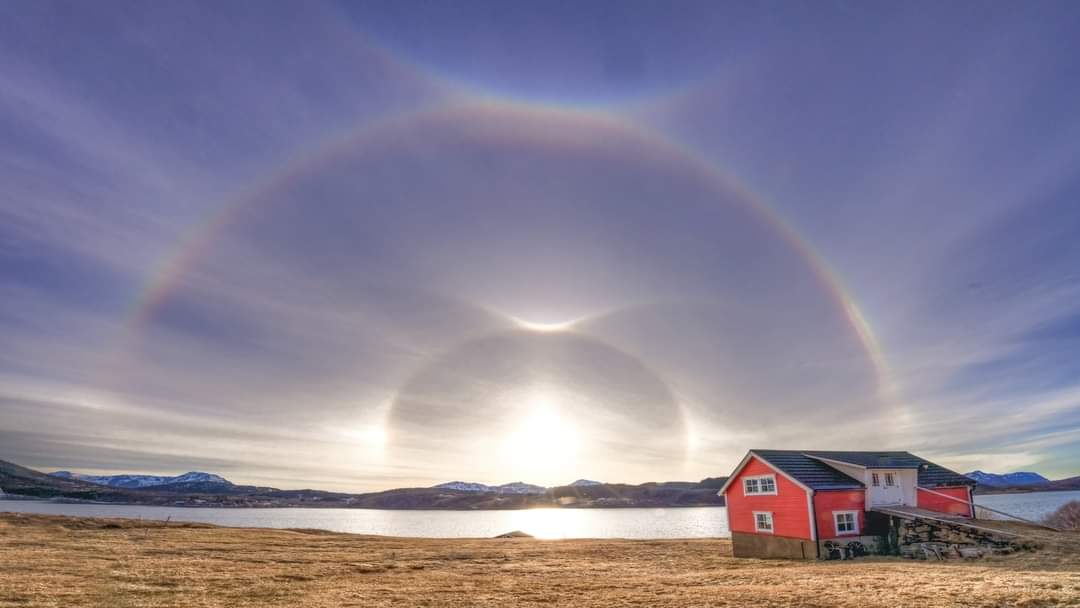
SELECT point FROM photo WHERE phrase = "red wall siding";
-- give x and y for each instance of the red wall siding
(790, 511)
(941, 504)
(827, 501)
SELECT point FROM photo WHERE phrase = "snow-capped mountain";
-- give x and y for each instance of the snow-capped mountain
(519, 487)
(1020, 478)
(465, 486)
(516, 487)
(143, 481)
(586, 482)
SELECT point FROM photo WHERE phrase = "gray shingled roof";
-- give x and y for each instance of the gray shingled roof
(930, 474)
(872, 460)
(812, 473)
(820, 476)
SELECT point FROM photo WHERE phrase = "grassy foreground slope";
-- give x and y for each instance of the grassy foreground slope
(55, 561)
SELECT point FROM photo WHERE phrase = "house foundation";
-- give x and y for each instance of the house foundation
(771, 547)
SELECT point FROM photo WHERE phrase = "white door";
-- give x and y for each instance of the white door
(885, 488)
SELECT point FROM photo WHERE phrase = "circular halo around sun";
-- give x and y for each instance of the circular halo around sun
(377, 266)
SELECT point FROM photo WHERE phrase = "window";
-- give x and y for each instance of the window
(759, 484)
(890, 480)
(874, 479)
(763, 521)
(847, 522)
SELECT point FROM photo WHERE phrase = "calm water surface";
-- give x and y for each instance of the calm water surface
(703, 522)
(1035, 505)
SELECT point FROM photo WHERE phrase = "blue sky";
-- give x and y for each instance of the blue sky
(368, 245)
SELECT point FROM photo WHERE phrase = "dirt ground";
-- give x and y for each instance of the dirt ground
(59, 561)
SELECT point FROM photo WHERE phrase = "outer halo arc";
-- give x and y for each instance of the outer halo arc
(167, 274)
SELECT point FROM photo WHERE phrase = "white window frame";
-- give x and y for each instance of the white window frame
(836, 523)
(772, 522)
(746, 491)
(875, 480)
(890, 479)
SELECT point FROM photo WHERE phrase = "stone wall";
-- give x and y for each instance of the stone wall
(929, 539)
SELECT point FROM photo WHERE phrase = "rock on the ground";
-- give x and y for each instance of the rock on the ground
(515, 534)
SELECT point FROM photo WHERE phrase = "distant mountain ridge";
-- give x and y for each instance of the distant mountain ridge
(585, 482)
(1019, 478)
(144, 481)
(517, 487)
(208, 490)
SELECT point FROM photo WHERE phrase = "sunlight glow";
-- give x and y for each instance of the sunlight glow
(374, 436)
(545, 442)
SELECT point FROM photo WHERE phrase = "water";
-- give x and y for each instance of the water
(699, 522)
(1034, 505)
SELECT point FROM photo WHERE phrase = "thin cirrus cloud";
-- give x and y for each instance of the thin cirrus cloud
(343, 234)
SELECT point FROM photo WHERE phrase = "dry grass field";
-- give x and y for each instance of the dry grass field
(55, 561)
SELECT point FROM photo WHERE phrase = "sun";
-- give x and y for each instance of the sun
(544, 443)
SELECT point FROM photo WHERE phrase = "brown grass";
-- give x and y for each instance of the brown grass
(56, 561)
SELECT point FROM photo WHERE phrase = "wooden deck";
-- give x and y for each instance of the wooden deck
(914, 513)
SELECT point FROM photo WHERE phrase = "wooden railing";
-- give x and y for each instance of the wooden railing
(975, 506)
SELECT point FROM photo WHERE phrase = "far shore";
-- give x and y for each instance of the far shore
(69, 561)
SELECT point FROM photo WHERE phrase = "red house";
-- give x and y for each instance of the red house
(788, 503)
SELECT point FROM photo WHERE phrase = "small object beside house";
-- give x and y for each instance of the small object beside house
(790, 503)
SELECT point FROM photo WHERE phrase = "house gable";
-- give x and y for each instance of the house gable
(788, 504)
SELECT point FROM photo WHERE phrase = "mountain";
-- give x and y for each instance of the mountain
(1020, 478)
(713, 482)
(519, 487)
(1069, 483)
(205, 490)
(465, 486)
(586, 482)
(516, 487)
(144, 481)
(21, 481)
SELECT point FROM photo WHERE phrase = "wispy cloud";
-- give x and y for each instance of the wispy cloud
(270, 247)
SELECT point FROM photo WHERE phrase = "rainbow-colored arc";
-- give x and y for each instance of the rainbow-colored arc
(166, 276)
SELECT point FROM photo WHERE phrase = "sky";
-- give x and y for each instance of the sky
(365, 245)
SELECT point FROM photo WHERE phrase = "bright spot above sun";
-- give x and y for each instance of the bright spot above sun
(545, 327)
(544, 443)
(374, 436)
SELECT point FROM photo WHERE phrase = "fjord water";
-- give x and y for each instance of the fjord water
(1032, 505)
(693, 522)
